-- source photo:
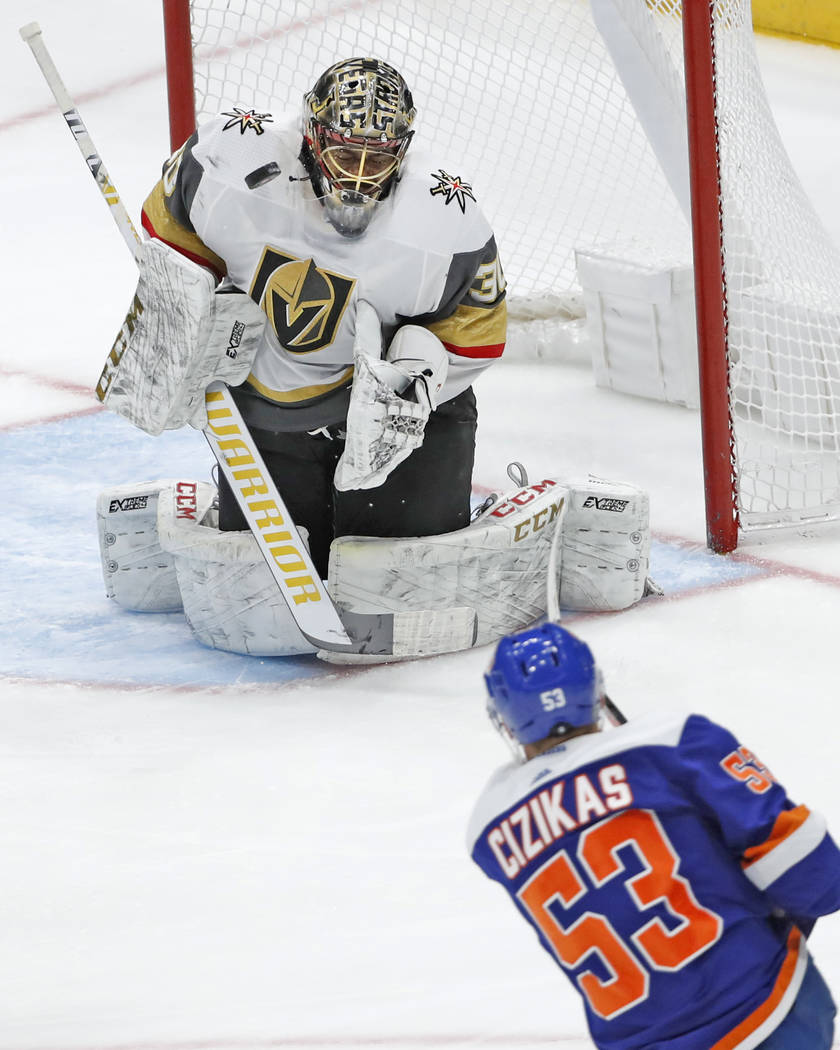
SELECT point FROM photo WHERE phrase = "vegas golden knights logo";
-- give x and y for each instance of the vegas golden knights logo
(303, 303)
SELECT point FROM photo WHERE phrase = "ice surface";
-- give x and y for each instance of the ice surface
(205, 852)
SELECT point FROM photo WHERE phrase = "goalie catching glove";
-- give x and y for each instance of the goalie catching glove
(391, 399)
(180, 335)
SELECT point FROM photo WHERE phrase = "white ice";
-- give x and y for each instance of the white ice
(199, 853)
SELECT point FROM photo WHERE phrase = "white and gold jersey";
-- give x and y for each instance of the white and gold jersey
(236, 197)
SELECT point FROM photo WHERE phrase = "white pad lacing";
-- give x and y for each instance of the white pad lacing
(178, 337)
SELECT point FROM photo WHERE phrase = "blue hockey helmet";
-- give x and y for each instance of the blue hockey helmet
(543, 682)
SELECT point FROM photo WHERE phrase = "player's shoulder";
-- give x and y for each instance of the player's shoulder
(659, 729)
(437, 204)
(239, 141)
(507, 781)
(513, 782)
(681, 730)
(702, 739)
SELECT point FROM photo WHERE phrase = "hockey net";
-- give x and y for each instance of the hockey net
(575, 143)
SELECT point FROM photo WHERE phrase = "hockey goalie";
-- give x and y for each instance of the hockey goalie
(349, 292)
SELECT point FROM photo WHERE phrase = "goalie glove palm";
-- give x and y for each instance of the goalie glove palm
(383, 426)
(391, 399)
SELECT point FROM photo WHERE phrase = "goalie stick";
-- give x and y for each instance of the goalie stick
(229, 438)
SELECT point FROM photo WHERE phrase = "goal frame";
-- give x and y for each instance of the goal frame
(718, 450)
(179, 71)
(718, 441)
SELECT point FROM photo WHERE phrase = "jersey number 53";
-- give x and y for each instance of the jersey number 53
(558, 885)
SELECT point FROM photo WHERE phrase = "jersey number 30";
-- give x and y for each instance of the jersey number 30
(657, 946)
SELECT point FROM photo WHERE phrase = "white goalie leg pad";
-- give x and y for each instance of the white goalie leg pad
(230, 599)
(138, 574)
(390, 401)
(456, 590)
(179, 336)
(605, 554)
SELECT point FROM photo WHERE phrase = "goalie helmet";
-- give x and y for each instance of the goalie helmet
(542, 682)
(357, 124)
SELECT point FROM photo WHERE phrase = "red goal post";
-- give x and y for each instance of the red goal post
(632, 169)
(719, 462)
(179, 71)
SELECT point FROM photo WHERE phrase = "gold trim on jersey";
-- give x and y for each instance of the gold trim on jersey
(171, 231)
(303, 393)
(473, 326)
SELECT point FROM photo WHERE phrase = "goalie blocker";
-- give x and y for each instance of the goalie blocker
(180, 334)
(162, 550)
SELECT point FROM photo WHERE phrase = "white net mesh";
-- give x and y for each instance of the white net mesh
(521, 93)
(783, 291)
(525, 95)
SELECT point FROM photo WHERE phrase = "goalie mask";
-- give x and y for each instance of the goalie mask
(542, 682)
(356, 128)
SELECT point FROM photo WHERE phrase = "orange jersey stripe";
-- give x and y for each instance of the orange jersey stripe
(789, 969)
(786, 823)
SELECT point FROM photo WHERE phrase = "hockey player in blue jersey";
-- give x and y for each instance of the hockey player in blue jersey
(661, 864)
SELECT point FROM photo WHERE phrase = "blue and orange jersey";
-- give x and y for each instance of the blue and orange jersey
(666, 871)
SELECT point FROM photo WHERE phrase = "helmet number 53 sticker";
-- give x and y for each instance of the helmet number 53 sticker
(553, 699)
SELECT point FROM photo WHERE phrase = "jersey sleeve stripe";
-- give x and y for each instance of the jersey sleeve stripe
(755, 1028)
(494, 350)
(157, 222)
(476, 332)
(795, 834)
